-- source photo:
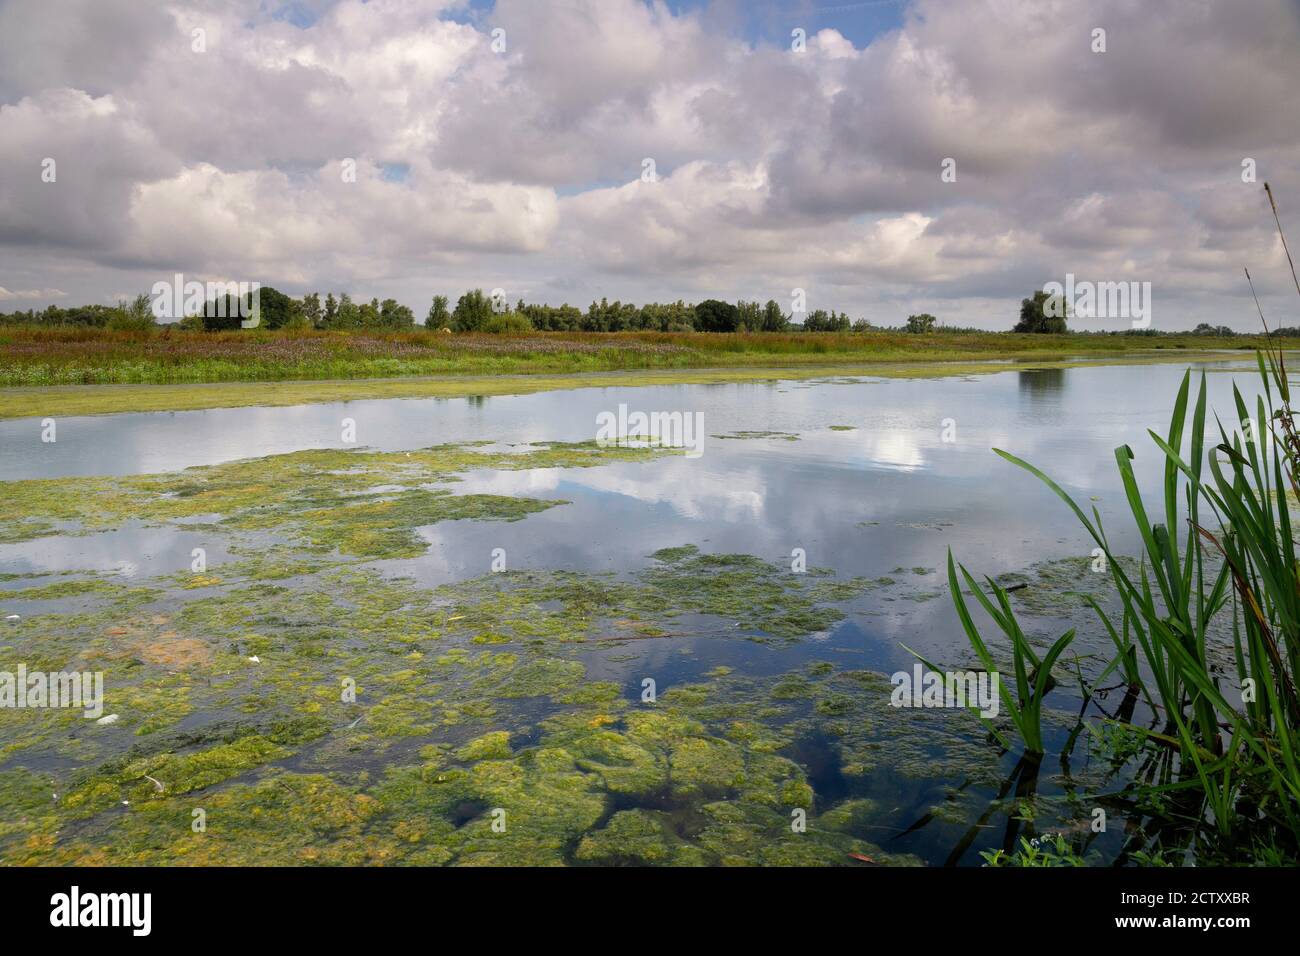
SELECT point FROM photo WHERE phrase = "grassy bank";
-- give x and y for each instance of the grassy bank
(35, 356)
(62, 400)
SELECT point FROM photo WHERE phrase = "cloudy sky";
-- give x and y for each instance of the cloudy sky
(508, 145)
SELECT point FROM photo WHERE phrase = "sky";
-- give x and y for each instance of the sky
(569, 150)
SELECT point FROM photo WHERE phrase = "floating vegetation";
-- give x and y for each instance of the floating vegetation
(592, 788)
(322, 498)
(467, 699)
(758, 434)
(321, 707)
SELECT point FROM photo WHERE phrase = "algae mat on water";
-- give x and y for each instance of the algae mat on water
(296, 704)
(305, 702)
(362, 503)
(357, 718)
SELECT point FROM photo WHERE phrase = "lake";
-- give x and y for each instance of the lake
(577, 657)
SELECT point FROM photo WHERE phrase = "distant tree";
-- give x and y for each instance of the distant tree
(861, 325)
(439, 316)
(774, 320)
(749, 316)
(473, 309)
(276, 308)
(349, 316)
(331, 313)
(819, 320)
(223, 314)
(924, 322)
(297, 319)
(135, 316)
(1034, 317)
(1205, 328)
(711, 315)
(311, 311)
(564, 318)
(395, 316)
(368, 314)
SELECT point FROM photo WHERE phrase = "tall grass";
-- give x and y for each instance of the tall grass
(1229, 744)
(34, 355)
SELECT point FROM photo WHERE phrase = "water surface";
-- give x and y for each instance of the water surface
(882, 478)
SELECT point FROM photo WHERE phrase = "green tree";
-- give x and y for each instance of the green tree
(924, 322)
(818, 320)
(223, 314)
(473, 309)
(1034, 315)
(774, 320)
(275, 307)
(749, 316)
(395, 316)
(349, 316)
(368, 314)
(311, 311)
(329, 317)
(439, 316)
(297, 317)
(712, 315)
(136, 315)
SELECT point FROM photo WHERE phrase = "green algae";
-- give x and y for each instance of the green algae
(570, 607)
(638, 838)
(698, 748)
(77, 587)
(272, 636)
(492, 746)
(751, 435)
(327, 679)
(323, 498)
(1048, 586)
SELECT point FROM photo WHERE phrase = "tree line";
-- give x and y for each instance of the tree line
(475, 311)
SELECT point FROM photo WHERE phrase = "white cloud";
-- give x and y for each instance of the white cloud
(7, 295)
(521, 168)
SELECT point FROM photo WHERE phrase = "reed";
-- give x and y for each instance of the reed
(1221, 542)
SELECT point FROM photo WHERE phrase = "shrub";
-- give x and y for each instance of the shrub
(507, 322)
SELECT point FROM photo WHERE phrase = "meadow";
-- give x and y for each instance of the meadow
(68, 355)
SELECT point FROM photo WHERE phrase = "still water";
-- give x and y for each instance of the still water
(873, 478)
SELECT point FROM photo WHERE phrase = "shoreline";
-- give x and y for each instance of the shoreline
(18, 402)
